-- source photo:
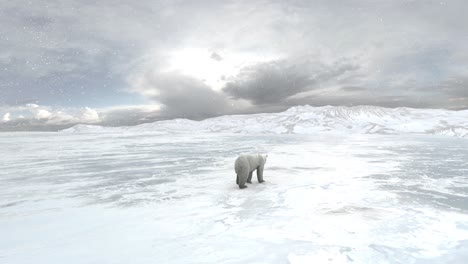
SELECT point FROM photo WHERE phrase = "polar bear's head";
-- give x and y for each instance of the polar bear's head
(264, 157)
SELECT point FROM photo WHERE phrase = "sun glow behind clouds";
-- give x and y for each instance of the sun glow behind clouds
(213, 68)
(6, 117)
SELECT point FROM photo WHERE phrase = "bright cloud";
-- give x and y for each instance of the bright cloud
(6, 117)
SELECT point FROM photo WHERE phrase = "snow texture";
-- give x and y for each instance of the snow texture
(312, 120)
(171, 198)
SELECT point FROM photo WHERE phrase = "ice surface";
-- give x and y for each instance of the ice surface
(171, 198)
(312, 120)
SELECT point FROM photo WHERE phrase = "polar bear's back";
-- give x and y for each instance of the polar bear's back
(247, 163)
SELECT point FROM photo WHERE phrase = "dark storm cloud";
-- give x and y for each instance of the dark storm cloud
(274, 82)
(269, 83)
(183, 96)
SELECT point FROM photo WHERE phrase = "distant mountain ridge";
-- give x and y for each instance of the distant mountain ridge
(309, 120)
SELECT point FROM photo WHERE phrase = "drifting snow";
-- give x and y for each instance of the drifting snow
(311, 120)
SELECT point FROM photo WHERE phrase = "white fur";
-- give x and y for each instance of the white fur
(245, 165)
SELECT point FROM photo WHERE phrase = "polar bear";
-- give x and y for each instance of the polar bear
(245, 165)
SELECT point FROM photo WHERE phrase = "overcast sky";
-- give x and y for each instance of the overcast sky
(126, 62)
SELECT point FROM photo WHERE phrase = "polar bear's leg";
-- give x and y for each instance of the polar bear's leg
(249, 179)
(260, 174)
(242, 169)
(242, 178)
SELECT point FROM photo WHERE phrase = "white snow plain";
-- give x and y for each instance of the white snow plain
(133, 195)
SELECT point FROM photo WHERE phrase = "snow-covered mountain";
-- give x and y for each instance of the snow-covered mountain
(309, 120)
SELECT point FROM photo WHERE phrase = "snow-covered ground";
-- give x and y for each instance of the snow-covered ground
(153, 197)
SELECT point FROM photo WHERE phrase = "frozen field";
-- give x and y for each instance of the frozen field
(151, 198)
